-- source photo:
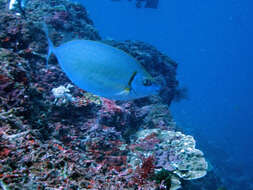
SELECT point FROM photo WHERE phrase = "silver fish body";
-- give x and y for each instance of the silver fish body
(104, 70)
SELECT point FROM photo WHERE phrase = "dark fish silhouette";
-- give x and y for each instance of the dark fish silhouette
(145, 3)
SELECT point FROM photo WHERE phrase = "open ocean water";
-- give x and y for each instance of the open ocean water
(212, 42)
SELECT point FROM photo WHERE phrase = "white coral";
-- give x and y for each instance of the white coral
(63, 93)
(188, 163)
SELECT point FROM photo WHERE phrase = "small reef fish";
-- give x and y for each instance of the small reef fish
(103, 70)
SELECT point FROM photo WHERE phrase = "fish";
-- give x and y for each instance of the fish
(148, 3)
(103, 70)
(152, 4)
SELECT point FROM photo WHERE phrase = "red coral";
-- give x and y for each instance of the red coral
(4, 79)
(5, 84)
(150, 137)
(110, 106)
(145, 171)
(147, 167)
(4, 152)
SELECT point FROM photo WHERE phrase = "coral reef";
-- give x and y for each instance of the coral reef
(54, 135)
(172, 151)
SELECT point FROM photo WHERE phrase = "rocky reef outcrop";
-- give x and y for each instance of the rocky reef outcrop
(54, 135)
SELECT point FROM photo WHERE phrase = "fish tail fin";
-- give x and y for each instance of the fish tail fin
(50, 43)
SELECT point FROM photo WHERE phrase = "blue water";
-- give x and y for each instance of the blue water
(212, 42)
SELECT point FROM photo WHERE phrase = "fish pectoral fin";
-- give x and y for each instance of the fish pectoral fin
(124, 92)
(127, 90)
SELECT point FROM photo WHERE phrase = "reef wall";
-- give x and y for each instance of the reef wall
(55, 135)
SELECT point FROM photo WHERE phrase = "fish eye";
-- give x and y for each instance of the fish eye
(147, 82)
